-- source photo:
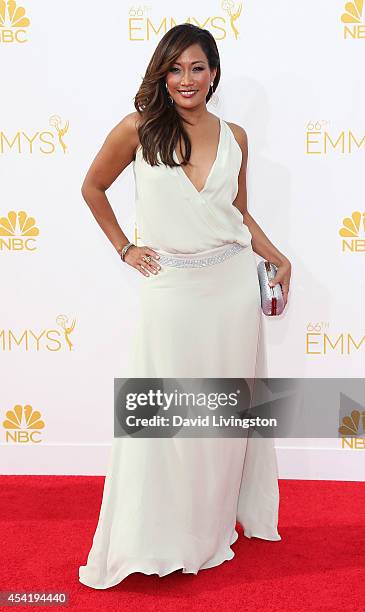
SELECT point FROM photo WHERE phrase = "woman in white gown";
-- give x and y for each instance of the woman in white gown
(173, 503)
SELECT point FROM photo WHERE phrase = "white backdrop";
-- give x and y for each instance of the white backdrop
(291, 76)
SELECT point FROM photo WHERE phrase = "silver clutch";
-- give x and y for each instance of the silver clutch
(272, 299)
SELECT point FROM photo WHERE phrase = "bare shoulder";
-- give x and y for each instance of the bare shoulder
(125, 133)
(117, 152)
(132, 121)
(240, 135)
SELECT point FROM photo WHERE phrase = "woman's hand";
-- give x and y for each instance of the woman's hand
(134, 256)
(282, 276)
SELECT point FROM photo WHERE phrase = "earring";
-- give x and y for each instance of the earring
(169, 97)
(211, 87)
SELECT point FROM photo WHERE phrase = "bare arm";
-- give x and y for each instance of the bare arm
(260, 242)
(116, 153)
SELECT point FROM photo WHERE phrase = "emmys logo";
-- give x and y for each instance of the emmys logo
(18, 232)
(351, 426)
(320, 342)
(23, 425)
(12, 23)
(354, 20)
(351, 229)
(62, 321)
(53, 340)
(45, 141)
(320, 141)
(143, 27)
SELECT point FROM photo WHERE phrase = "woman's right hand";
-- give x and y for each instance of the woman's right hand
(134, 255)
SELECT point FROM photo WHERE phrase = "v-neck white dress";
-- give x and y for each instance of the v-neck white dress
(173, 503)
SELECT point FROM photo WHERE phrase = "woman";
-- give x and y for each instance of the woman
(172, 503)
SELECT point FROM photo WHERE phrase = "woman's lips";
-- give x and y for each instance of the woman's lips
(187, 94)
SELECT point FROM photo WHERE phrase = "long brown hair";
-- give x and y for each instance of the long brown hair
(160, 125)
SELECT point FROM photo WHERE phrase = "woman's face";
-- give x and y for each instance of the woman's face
(190, 72)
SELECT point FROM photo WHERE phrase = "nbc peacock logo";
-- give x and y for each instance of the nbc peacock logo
(353, 19)
(13, 22)
(23, 425)
(353, 232)
(18, 232)
(353, 430)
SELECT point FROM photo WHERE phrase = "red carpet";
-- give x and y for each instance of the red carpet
(47, 525)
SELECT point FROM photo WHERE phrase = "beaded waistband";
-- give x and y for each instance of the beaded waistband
(197, 260)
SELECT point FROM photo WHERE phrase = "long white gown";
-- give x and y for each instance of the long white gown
(173, 503)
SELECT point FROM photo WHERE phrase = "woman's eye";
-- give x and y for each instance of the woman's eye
(196, 68)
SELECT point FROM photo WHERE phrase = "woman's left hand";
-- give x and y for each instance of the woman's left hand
(282, 276)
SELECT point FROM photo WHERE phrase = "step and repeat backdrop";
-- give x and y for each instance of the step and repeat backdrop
(292, 77)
